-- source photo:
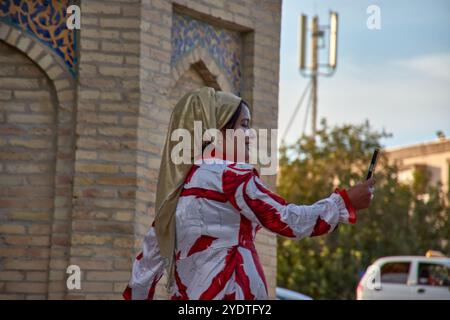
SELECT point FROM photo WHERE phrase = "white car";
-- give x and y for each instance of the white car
(286, 294)
(406, 278)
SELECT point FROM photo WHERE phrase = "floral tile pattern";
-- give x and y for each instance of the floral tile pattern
(44, 20)
(224, 46)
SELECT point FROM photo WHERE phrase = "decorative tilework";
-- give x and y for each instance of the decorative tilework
(44, 20)
(223, 45)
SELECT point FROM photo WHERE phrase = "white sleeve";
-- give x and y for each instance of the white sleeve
(262, 206)
(148, 268)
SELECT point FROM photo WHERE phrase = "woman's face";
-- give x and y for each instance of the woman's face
(239, 146)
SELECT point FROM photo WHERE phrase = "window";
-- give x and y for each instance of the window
(431, 274)
(395, 272)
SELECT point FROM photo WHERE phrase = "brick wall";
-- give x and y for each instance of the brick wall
(37, 140)
(105, 172)
(27, 168)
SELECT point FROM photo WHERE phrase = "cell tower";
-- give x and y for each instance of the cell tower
(316, 35)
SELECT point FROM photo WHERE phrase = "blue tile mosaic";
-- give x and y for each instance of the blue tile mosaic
(224, 46)
(44, 20)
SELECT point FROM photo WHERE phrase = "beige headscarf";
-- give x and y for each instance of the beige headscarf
(214, 110)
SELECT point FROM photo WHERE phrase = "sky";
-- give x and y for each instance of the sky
(397, 77)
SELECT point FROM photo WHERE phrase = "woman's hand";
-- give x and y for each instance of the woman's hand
(361, 194)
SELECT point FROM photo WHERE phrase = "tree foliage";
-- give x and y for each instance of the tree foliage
(399, 221)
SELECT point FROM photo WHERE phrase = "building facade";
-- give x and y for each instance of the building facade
(430, 158)
(83, 117)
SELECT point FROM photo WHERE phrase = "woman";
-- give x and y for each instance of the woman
(208, 213)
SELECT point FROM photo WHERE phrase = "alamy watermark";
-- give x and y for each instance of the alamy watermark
(73, 17)
(256, 147)
(74, 279)
(374, 19)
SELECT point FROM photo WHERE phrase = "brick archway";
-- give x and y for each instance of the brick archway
(201, 61)
(63, 84)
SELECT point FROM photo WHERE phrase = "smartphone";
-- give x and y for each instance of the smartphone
(373, 163)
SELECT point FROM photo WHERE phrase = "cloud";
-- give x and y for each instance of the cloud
(431, 65)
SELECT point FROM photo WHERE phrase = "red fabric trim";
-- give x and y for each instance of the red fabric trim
(268, 215)
(234, 164)
(259, 268)
(253, 170)
(181, 287)
(127, 293)
(274, 196)
(320, 228)
(139, 256)
(202, 243)
(246, 240)
(221, 279)
(191, 173)
(151, 292)
(242, 279)
(204, 193)
(231, 181)
(348, 204)
(246, 233)
(229, 296)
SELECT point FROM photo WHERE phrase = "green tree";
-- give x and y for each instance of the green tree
(398, 222)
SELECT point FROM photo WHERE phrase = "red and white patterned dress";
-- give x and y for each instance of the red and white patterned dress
(222, 206)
